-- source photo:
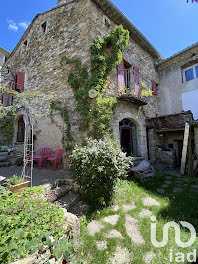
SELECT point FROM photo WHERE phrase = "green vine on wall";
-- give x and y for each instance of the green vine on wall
(67, 138)
(106, 54)
(6, 130)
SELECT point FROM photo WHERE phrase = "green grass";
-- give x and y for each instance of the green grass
(173, 207)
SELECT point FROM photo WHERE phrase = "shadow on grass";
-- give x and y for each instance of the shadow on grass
(183, 206)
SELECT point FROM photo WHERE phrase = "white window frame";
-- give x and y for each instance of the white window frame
(194, 72)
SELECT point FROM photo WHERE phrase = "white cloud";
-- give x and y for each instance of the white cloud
(12, 25)
(24, 24)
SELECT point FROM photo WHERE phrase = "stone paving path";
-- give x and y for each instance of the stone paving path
(122, 255)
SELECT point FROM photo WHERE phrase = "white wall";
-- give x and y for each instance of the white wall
(190, 102)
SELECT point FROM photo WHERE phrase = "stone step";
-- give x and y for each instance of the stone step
(79, 209)
(69, 200)
(61, 191)
(6, 164)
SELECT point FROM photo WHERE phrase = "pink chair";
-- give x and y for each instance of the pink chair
(43, 153)
(58, 153)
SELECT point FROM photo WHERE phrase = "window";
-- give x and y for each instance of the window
(44, 27)
(190, 73)
(106, 21)
(196, 70)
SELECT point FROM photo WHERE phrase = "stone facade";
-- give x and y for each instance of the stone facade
(69, 30)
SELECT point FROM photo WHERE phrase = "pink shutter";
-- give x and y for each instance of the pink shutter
(121, 83)
(136, 81)
(154, 87)
(19, 81)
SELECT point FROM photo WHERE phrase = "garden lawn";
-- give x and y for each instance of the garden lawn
(121, 233)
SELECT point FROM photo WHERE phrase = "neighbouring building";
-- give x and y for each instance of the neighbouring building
(178, 84)
(4, 54)
(69, 30)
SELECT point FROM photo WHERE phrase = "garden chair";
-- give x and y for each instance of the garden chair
(58, 155)
(41, 154)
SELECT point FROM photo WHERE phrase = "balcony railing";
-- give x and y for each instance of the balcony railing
(133, 84)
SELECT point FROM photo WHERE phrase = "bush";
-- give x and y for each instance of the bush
(26, 222)
(96, 168)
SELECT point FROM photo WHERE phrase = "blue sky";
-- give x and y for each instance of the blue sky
(170, 25)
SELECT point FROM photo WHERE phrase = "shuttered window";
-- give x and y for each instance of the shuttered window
(154, 87)
(19, 81)
(136, 81)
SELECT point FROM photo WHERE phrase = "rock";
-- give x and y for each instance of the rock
(69, 200)
(52, 261)
(115, 208)
(129, 207)
(149, 201)
(168, 182)
(121, 256)
(161, 191)
(148, 257)
(114, 234)
(74, 222)
(94, 227)
(101, 245)
(164, 185)
(145, 213)
(177, 189)
(132, 230)
(61, 191)
(44, 257)
(28, 260)
(112, 219)
(60, 260)
(79, 209)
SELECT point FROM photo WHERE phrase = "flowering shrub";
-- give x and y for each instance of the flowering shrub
(26, 222)
(96, 167)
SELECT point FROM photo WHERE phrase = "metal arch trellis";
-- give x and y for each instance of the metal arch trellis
(27, 172)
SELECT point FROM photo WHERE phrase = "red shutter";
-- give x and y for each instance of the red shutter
(136, 81)
(154, 87)
(19, 81)
(121, 83)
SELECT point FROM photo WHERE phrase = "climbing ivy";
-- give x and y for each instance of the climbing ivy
(7, 130)
(106, 54)
(67, 138)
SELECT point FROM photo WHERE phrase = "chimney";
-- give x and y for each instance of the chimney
(60, 2)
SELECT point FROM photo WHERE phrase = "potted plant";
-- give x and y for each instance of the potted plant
(17, 184)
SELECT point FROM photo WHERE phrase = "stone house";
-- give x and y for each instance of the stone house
(69, 30)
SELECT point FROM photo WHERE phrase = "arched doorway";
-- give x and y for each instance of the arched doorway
(128, 137)
(20, 129)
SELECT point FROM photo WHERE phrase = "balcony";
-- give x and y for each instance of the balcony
(133, 87)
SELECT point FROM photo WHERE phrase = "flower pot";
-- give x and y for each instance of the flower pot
(18, 188)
